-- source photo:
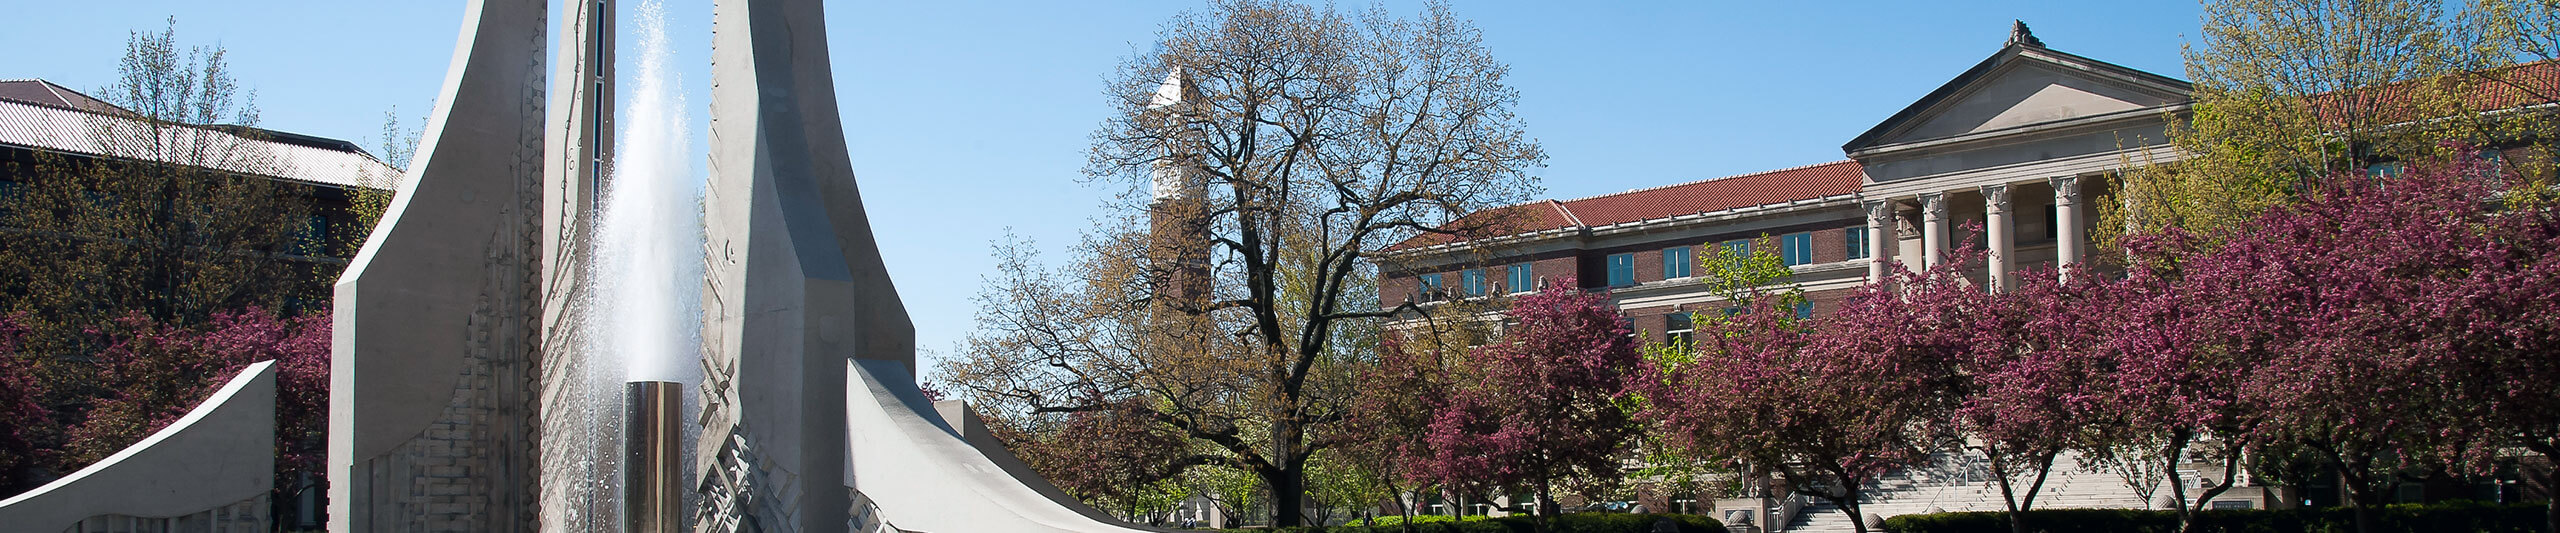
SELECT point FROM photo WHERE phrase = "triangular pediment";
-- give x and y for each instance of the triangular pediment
(2024, 85)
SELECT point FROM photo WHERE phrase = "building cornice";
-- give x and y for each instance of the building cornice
(2018, 134)
(1623, 228)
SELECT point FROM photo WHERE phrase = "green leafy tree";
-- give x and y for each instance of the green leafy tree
(2287, 91)
(172, 220)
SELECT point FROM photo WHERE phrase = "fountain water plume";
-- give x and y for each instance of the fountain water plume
(640, 324)
(649, 247)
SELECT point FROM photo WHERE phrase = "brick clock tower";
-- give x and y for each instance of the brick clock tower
(1177, 216)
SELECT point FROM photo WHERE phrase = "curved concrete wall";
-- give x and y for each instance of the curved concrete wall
(436, 317)
(794, 285)
(925, 477)
(220, 454)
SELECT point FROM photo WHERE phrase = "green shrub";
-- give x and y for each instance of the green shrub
(1569, 523)
(1392, 520)
(2448, 517)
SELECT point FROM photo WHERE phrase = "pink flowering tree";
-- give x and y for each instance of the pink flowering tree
(2507, 332)
(2349, 289)
(1547, 406)
(2383, 323)
(2029, 387)
(22, 413)
(2412, 319)
(1389, 425)
(2183, 360)
(1829, 404)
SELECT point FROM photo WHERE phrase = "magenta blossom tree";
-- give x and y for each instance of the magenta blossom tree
(2506, 330)
(1547, 406)
(2031, 387)
(1829, 404)
(22, 412)
(2392, 305)
(2183, 361)
(1389, 427)
(2379, 322)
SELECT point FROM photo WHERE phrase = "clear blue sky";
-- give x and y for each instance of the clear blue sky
(967, 118)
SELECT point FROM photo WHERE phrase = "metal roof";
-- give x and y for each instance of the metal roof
(61, 129)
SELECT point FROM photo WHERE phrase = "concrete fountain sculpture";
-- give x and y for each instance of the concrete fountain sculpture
(459, 391)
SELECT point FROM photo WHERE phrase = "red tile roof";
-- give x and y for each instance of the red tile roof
(1707, 196)
(2507, 87)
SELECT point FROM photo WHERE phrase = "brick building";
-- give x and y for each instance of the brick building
(2019, 146)
(38, 116)
(2014, 145)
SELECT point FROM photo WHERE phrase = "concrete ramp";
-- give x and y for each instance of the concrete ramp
(211, 470)
(924, 477)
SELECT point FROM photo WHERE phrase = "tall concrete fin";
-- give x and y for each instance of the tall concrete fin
(578, 140)
(436, 319)
(794, 285)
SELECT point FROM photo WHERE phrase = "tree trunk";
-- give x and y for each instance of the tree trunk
(1849, 504)
(2008, 496)
(2044, 470)
(2170, 454)
(2354, 468)
(1545, 506)
(1288, 479)
(2550, 485)
(2230, 477)
(1289, 495)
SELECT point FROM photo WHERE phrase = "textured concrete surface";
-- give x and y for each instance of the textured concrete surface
(925, 477)
(794, 283)
(579, 133)
(219, 454)
(960, 418)
(431, 369)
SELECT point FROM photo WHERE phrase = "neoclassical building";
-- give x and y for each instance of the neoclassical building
(2015, 146)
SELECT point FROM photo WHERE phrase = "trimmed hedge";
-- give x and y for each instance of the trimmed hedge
(2448, 517)
(1566, 523)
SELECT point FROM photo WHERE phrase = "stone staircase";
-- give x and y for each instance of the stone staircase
(1962, 482)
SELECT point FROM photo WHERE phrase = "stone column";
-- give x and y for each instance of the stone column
(1995, 209)
(2066, 213)
(1933, 229)
(1881, 241)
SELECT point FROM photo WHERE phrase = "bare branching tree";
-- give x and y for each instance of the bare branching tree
(1269, 149)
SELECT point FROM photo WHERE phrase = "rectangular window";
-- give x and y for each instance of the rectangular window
(1739, 247)
(1796, 248)
(1430, 287)
(1473, 281)
(1622, 270)
(8, 195)
(313, 238)
(1675, 262)
(2494, 163)
(1858, 242)
(1677, 329)
(2052, 229)
(1804, 310)
(1519, 281)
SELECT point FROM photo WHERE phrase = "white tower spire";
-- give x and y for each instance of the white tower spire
(1174, 179)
